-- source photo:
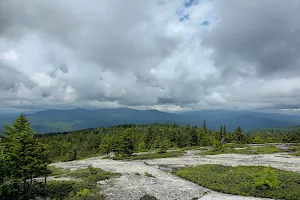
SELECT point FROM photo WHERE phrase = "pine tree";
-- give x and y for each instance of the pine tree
(204, 127)
(164, 146)
(224, 130)
(3, 166)
(149, 138)
(193, 136)
(26, 157)
(238, 135)
(126, 143)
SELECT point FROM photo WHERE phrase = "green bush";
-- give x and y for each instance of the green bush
(258, 139)
(164, 146)
(267, 180)
(83, 193)
(142, 147)
(216, 145)
(148, 197)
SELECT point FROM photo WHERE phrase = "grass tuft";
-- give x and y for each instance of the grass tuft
(149, 175)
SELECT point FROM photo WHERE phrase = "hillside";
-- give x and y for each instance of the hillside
(73, 119)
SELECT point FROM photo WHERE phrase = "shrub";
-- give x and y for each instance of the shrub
(268, 179)
(83, 193)
(148, 197)
(142, 147)
(164, 146)
(258, 139)
(217, 145)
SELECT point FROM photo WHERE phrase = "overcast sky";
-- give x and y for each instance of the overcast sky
(169, 55)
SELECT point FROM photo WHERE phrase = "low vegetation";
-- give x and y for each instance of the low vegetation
(85, 189)
(149, 175)
(92, 175)
(296, 150)
(240, 149)
(169, 154)
(245, 180)
(147, 155)
(69, 190)
(58, 172)
(148, 197)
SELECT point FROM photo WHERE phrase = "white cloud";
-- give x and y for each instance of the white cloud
(9, 55)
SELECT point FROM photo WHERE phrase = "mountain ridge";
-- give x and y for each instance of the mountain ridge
(56, 120)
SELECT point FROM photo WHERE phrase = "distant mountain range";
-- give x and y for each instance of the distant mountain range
(73, 119)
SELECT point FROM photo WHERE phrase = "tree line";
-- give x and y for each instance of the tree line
(126, 139)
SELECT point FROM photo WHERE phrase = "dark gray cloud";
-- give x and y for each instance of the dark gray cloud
(257, 36)
(10, 78)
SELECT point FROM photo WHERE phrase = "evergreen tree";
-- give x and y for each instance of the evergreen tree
(224, 130)
(149, 138)
(258, 139)
(26, 156)
(204, 127)
(238, 135)
(164, 146)
(193, 136)
(126, 143)
(3, 166)
(221, 129)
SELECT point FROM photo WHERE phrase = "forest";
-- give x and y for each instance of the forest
(126, 139)
(25, 154)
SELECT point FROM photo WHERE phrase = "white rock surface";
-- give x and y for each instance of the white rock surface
(133, 183)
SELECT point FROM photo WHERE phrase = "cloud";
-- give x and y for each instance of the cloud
(259, 37)
(169, 55)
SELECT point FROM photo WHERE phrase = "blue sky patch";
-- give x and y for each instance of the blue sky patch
(205, 23)
(188, 3)
(184, 17)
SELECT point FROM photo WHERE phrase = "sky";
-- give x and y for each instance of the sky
(168, 55)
